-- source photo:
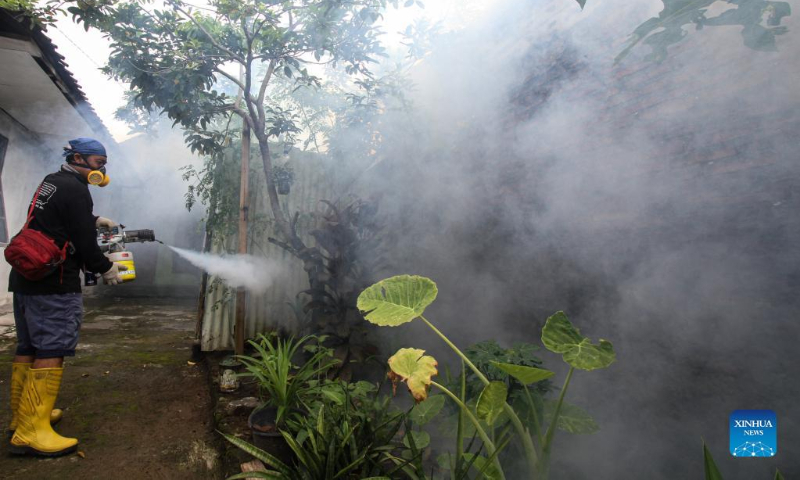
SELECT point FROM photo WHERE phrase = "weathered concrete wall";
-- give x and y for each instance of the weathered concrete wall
(29, 157)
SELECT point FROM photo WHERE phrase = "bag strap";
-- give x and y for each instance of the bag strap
(33, 204)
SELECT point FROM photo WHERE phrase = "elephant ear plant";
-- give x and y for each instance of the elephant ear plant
(401, 299)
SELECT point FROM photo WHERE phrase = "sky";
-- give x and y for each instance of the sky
(86, 52)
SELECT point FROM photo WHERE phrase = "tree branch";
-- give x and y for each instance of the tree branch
(239, 94)
(258, 129)
(263, 90)
(229, 77)
(244, 116)
(257, 26)
(247, 36)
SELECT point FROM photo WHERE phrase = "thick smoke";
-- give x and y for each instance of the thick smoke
(651, 201)
(255, 274)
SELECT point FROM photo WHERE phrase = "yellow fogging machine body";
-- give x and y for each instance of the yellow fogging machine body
(112, 243)
(124, 258)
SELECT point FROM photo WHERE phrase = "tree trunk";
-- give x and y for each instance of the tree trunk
(312, 261)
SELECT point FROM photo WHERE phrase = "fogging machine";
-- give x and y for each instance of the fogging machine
(112, 243)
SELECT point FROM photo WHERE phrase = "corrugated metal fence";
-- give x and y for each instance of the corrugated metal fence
(314, 181)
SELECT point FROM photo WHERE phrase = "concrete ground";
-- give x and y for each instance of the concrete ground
(132, 396)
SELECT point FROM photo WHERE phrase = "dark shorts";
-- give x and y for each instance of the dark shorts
(48, 325)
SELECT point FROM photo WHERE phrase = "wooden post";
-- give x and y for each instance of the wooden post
(201, 300)
(243, 206)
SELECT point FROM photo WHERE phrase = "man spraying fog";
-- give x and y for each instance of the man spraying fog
(48, 311)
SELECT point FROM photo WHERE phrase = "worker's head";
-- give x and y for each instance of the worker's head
(88, 156)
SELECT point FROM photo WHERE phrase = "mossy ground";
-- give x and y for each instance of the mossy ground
(140, 408)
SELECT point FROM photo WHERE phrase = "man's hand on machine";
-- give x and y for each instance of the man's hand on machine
(105, 222)
(111, 277)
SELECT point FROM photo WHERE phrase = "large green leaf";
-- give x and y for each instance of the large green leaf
(421, 439)
(560, 336)
(410, 365)
(397, 300)
(778, 475)
(571, 418)
(525, 375)
(423, 412)
(491, 402)
(712, 472)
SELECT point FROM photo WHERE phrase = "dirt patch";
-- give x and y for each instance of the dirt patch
(140, 408)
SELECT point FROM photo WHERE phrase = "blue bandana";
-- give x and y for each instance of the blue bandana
(85, 146)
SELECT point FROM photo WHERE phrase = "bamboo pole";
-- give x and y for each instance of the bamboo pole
(243, 207)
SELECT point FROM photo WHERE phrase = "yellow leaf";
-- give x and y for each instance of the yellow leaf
(410, 365)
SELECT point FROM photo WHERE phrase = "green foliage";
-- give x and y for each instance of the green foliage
(349, 250)
(287, 385)
(216, 186)
(497, 422)
(424, 412)
(760, 21)
(175, 57)
(36, 14)
(711, 470)
(352, 434)
(421, 439)
(283, 175)
(488, 356)
(469, 462)
(498, 364)
(713, 473)
(352, 440)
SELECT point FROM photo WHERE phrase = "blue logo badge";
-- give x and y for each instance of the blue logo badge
(754, 433)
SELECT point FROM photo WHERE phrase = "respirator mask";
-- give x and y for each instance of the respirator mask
(98, 177)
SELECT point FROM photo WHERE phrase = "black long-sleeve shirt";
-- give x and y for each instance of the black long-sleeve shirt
(64, 212)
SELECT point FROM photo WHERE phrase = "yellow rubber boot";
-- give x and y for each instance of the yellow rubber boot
(34, 434)
(18, 373)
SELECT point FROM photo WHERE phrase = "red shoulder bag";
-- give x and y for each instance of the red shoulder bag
(33, 254)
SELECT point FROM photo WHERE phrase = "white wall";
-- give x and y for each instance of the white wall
(29, 157)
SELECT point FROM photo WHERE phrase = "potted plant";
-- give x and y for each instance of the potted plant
(286, 387)
(283, 176)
